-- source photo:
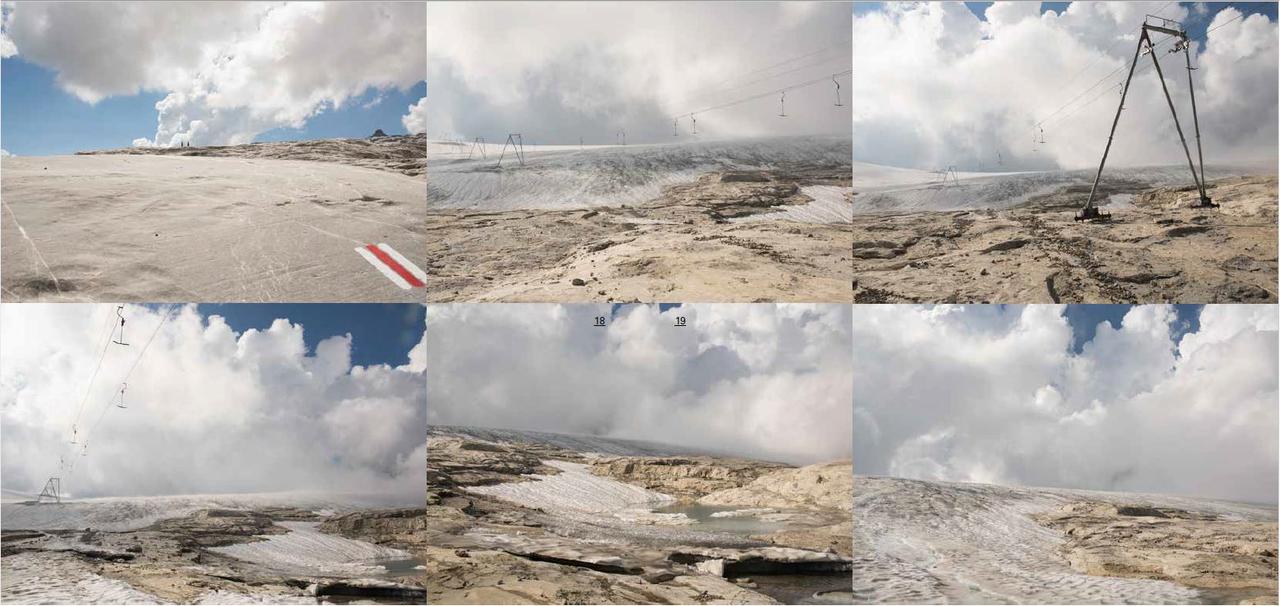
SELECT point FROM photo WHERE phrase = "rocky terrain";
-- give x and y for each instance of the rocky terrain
(943, 542)
(404, 154)
(1154, 249)
(1225, 557)
(268, 554)
(524, 520)
(724, 237)
(735, 220)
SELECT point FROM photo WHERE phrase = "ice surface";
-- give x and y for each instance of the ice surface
(563, 177)
(829, 205)
(306, 550)
(576, 490)
(235, 598)
(48, 578)
(114, 514)
(888, 189)
(940, 542)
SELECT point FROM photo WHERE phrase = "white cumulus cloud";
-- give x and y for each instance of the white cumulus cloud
(560, 71)
(997, 394)
(935, 86)
(416, 120)
(766, 381)
(230, 70)
(208, 410)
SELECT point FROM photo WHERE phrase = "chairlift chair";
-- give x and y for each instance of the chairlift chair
(120, 314)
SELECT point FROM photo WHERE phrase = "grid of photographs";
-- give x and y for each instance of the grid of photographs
(650, 302)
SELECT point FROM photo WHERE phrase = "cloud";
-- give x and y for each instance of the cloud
(208, 410)
(766, 381)
(416, 120)
(560, 71)
(5, 154)
(935, 86)
(995, 394)
(230, 70)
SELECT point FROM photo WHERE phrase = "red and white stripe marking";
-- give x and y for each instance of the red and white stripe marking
(393, 265)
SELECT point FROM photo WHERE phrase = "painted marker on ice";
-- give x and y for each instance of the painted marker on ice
(401, 271)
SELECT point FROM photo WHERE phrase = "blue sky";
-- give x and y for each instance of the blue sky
(1084, 320)
(37, 118)
(1196, 24)
(380, 333)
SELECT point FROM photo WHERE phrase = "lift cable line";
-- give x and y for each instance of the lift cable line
(1102, 93)
(1145, 46)
(1054, 117)
(117, 396)
(777, 91)
(1116, 45)
(808, 66)
(106, 343)
(746, 74)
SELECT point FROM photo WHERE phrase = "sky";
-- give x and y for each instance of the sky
(560, 72)
(760, 381)
(1164, 399)
(942, 84)
(218, 404)
(381, 333)
(79, 76)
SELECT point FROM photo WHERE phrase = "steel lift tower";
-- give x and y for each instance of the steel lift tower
(1145, 46)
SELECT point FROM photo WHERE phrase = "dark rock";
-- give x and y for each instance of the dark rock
(1188, 230)
(1007, 245)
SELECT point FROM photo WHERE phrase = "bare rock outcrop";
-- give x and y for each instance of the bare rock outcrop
(1193, 549)
(458, 462)
(687, 478)
(827, 485)
(494, 577)
(405, 154)
(403, 527)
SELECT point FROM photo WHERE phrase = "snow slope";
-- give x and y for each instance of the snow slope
(565, 177)
(830, 205)
(889, 189)
(306, 550)
(62, 579)
(576, 490)
(941, 542)
(115, 514)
